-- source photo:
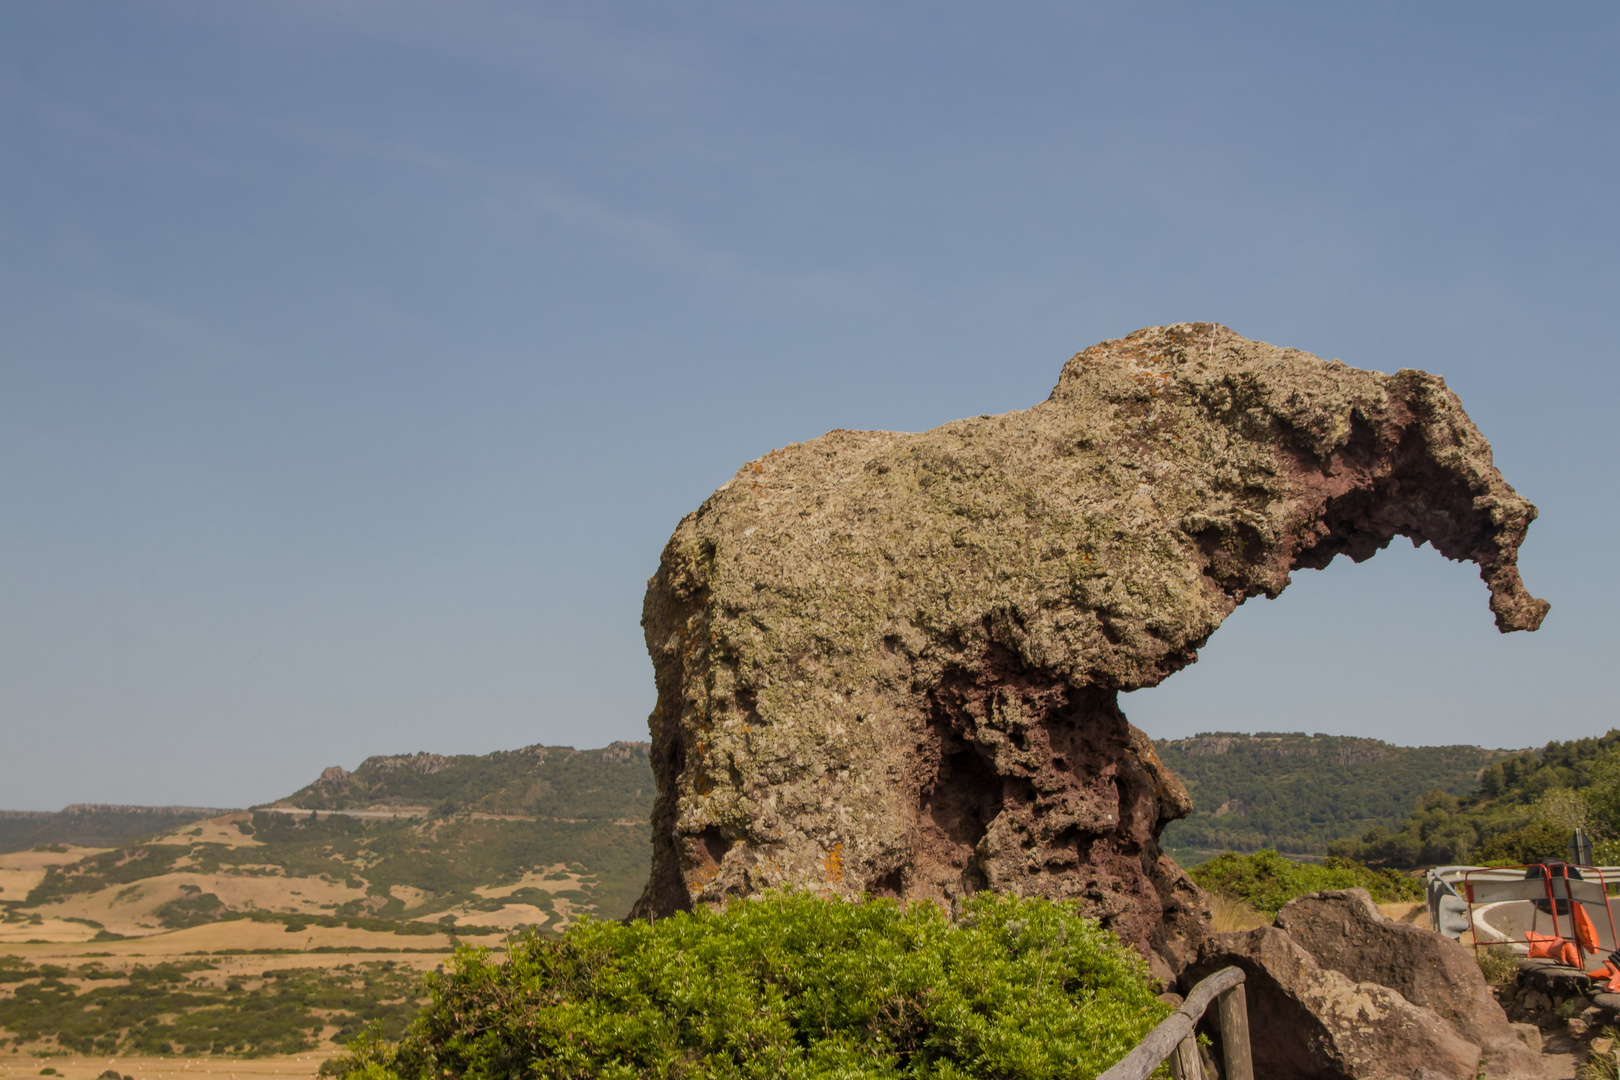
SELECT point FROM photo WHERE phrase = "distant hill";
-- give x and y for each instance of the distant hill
(482, 844)
(1524, 810)
(1299, 793)
(424, 843)
(537, 781)
(94, 825)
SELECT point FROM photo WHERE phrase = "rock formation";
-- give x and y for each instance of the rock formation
(1310, 1022)
(1337, 991)
(889, 662)
(1344, 931)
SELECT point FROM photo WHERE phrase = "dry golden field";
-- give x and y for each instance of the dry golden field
(285, 1067)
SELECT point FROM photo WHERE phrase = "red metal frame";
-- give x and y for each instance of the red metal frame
(1589, 874)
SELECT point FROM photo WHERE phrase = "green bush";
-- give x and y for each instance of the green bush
(1267, 881)
(195, 908)
(1536, 842)
(785, 985)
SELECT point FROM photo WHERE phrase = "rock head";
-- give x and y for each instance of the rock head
(888, 662)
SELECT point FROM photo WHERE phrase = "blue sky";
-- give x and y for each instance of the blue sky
(357, 358)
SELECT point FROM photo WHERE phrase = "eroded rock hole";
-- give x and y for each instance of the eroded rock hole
(958, 807)
(891, 884)
(713, 844)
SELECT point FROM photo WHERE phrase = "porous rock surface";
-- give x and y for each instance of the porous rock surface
(1344, 930)
(1309, 1022)
(889, 662)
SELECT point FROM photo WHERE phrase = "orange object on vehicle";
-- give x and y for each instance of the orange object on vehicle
(1552, 947)
(1585, 932)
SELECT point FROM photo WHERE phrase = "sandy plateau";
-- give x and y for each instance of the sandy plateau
(220, 830)
(128, 909)
(552, 879)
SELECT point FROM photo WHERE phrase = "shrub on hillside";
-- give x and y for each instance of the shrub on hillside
(786, 985)
(1267, 881)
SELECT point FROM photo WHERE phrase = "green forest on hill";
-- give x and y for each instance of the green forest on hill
(1370, 802)
(544, 782)
(1299, 793)
(1524, 809)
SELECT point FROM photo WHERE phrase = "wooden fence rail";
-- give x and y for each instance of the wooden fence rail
(1174, 1035)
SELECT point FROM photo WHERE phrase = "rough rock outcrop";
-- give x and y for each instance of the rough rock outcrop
(1308, 1022)
(1344, 930)
(888, 662)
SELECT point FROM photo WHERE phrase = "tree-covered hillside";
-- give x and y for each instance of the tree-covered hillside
(553, 782)
(1523, 810)
(1299, 793)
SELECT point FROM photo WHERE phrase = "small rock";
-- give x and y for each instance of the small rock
(1576, 1026)
(1602, 1047)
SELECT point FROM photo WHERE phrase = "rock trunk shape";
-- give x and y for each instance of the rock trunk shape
(888, 662)
(1308, 1022)
(1344, 930)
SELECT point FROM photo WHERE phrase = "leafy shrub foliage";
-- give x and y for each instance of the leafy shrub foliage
(785, 985)
(1267, 881)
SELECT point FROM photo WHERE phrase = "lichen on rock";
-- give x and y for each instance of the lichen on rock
(888, 662)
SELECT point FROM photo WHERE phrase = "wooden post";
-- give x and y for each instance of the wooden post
(1185, 1064)
(1235, 1034)
(1174, 1039)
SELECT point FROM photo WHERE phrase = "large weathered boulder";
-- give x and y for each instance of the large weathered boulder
(1344, 930)
(889, 662)
(1308, 1022)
